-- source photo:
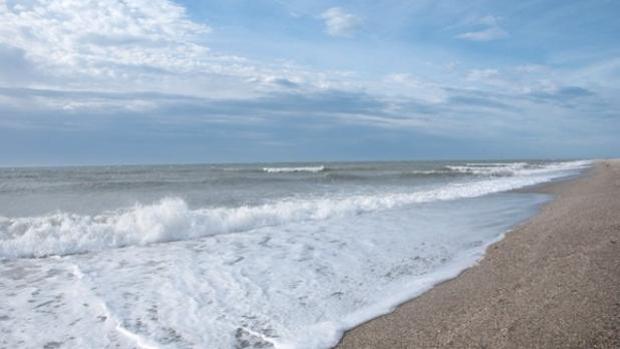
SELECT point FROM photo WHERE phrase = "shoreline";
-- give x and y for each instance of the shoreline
(551, 282)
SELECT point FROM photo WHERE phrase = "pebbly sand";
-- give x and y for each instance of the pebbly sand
(553, 282)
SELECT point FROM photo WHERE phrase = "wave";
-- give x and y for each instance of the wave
(423, 173)
(499, 169)
(171, 219)
(312, 169)
(515, 168)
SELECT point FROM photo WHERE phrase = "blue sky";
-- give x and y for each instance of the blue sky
(158, 81)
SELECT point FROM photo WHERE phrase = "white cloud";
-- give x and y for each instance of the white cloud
(409, 86)
(131, 45)
(113, 48)
(489, 34)
(488, 29)
(340, 23)
(93, 37)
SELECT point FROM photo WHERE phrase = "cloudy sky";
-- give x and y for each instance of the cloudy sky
(159, 81)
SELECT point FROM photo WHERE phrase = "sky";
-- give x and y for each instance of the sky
(161, 81)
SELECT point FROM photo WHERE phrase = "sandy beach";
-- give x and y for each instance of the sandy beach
(553, 282)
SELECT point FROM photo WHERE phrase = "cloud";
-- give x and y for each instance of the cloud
(131, 45)
(97, 37)
(412, 87)
(482, 74)
(489, 34)
(487, 29)
(146, 60)
(564, 95)
(340, 23)
(485, 102)
(574, 91)
(14, 66)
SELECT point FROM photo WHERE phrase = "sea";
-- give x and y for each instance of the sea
(281, 255)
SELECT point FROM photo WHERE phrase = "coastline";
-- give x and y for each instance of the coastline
(552, 282)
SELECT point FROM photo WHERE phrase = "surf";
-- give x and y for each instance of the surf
(171, 218)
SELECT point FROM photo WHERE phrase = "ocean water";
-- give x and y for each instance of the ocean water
(241, 256)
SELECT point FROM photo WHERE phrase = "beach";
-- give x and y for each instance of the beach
(552, 282)
(303, 174)
(262, 255)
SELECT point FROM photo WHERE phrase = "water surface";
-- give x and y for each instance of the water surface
(241, 256)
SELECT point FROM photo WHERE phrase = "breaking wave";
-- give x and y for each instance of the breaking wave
(171, 219)
(515, 168)
(312, 169)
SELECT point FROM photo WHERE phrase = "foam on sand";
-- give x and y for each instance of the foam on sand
(296, 285)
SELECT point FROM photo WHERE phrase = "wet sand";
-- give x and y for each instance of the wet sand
(553, 282)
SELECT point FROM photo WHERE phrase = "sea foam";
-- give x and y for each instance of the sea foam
(171, 219)
(293, 286)
(312, 169)
(282, 272)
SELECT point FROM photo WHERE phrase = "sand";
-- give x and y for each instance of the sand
(553, 282)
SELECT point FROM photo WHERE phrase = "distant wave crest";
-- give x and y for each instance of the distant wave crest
(312, 169)
(499, 169)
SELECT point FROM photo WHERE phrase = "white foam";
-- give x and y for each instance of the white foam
(294, 286)
(313, 169)
(431, 172)
(171, 219)
(516, 168)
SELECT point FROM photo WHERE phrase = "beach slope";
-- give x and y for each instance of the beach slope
(554, 282)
